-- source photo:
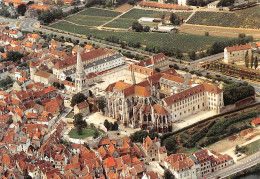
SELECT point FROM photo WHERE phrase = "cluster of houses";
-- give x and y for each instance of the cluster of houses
(52, 63)
(32, 7)
(31, 150)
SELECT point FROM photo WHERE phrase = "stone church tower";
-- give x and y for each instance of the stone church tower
(80, 78)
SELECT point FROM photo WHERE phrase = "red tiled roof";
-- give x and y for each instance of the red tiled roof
(153, 60)
(160, 110)
(256, 121)
(50, 89)
(141, 69)
(109, 162)
(72, 166)
(73, 60)
(43, 74)
(83, 105)
(238, 47)
(164, 6)
(176, 79)
(190, 92)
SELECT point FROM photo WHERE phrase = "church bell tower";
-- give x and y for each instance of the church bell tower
(80, 77)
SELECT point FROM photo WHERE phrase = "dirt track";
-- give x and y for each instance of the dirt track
(218, 31)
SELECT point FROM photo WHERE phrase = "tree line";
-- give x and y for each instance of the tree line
(251, 61)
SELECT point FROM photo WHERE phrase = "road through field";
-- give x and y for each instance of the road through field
(218, 31)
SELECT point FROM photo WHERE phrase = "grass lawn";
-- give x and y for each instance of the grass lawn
(190, 150)
(99, 12)
(85, 133)
(70, 115)
(247, 18)
(253, 147)
(88, 20)
(184, 42)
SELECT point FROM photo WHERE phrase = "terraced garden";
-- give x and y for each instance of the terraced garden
(184, 42)
(248, 18)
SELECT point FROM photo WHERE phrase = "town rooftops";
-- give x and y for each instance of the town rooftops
(238, 47)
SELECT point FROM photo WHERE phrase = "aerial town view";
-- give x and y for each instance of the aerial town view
(130, 89)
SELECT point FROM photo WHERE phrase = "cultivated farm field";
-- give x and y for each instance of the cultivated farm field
(247, 18)
(88, 20)
(126, 20)
(183, 42)
(138, 13)
(99, 12)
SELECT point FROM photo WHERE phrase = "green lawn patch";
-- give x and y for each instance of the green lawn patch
(190, 150)
(247, 18)
(252, 147)
(85, 133)
(99, 12)
(184, 42)
(70, 115)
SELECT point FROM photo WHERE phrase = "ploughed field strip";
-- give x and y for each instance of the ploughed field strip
(247, 18)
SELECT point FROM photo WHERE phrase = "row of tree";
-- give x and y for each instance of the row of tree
(251, 61)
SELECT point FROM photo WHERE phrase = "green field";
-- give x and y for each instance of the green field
(85, 133)
(121, 23)
(88, 20)
(138, 13)
(184, 42)
(247, 18)
(99, 12)
(252, 147)
(126, 20)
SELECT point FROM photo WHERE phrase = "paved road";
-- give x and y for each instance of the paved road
(208, 59)
(237, 167)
